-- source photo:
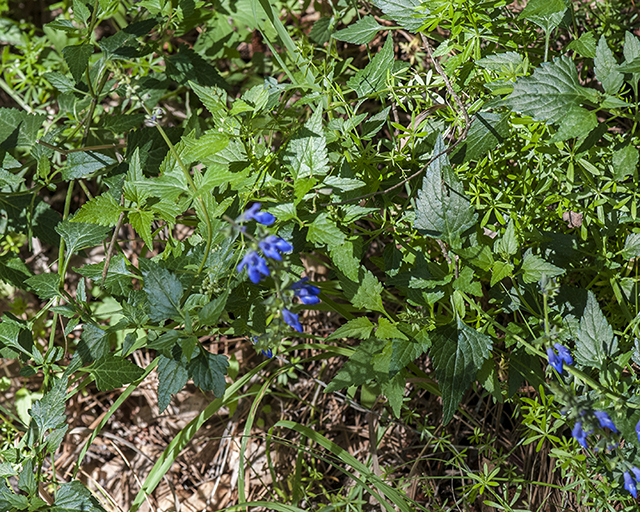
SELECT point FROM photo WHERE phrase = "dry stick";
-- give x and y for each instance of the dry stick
(461, 110)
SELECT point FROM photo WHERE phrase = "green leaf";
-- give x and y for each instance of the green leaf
(27, 480)
(211, 312)
(209, 144)
(404, 352)
(78, 235)
(373, 125)
(405, 12)
(606, 68)
(77, 58)
(187, 65)
(61, 82)
(394, 391)
(74, 497)
(487, 131)
(141, 220)
(359, 368)
(507, 63)
(113, 372)
(164, 292)
(324, 230)
(361, 32)
(360, 327)
(500, 270)
(320, 33)
(578, 122)
(81, 12)
(46, 286)
(122, 123)
(103, 210)
(595, 339)
(373, 77)
(585, 45)
(343, 257)
(542, 8)
(508, 243)
(18, 128)
(172, 376)
(208, 371)
(466, 284)
(93, 344)
(84, 163)
(478, 256)
(15, 336)
(118, 280)
(369, 294)
(625, 162)
(458, 353)
(48, 413)
(442, 209)
(307, 150)
(386, 330)
(632, 246)
(534, 267)
(550, 93)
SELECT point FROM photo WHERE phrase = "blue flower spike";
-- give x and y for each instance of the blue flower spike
(630, 484)
(563, 353)
(254, 213)
(579, 434)
(273, 246)
(292, 320)
(638, 431)
(307, 293)
(256, 266)
(605, 420)
(636, 473)
(268, 353)
(554, 360)
(557, 360)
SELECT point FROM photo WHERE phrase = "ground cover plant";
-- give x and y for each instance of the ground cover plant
(319, 255)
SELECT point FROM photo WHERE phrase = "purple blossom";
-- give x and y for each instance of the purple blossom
(579, 434)
(630, 484)
(307, 293)
(554, 360)
(563, 353)
(292, 320)
(273, 246)
(638, 431)
(605, 420)
(254, 213)
(256, 266)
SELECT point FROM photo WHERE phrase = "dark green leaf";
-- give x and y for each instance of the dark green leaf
(14, 271)
(103, 210)
(320, 33)
(578, 122)
(77, 58)
(585, 45)
(605, 68)
(458, 353)
(359, 368)
(442, 209)
(373, 78)
(323, 230)
(541, 8)
(369, 294)
(360, 327)
(83, 163)
(210, 313)
(187, 65)
(78, 235)
(172, 376)
(632, 246)
(60, 81)
(48, 413)
(164, 293)
(625, 162)
(16, 336)
(373, 125)
(361, 32)
(486, 132)
(534, 267)
(75, 497)
(121, 123)
(307, 151)
(405, 352)
(118, 280)
(18, 128)
(27, 480)
(595, 340)
(46, 286)
(208, 371)
(113, 372)
(404, 12)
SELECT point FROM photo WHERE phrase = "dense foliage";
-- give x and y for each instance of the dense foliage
(451, 183)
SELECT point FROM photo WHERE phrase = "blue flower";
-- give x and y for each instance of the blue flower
(579, 434)
(291, 319)
(605, 420)
(268, 353)
(630, 484)
(273, 245)
(254, 213)
(256, 266)
(563, 353)
(636, 473)
(638, 431)
(554, 360)
(307, 293)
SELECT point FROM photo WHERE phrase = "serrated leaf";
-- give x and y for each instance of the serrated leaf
(323, 230)
(507, 245)
(360, 327)
(606, 68)
(48, 413)
(361, 32)
(625, 162)
(499, 271)
(373, 125)
(369, 294)
(74, 497)
(359, 368)
(78, 235)
(211, 312)
(141, 220)
(172, 376)
(386, 330)
(121, 123)
(542, 8)
(103, 210)
(479, 256)
(188, 66)
(487, 131)
(93, 344)
(534, 267)
(458, 352)
(578, 122)
(550, 93)
(507, 63)
(373, 77)
(77, 58)
(320, 33)
(632, 246)
(343, 257)
(164, 293)
(307, 151)
(80, 11)
(209, 144)
(118, 280)
(46, 286)
(442, 209)
(18, 128)
(465, 283)
(112, 372)
(15, 336)
(405, 12)
(595, 339)
(585, 45)
(208, 371)
(27, 479)
(394, 391)
(61, 82)
(404, 352)
(84, 163)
